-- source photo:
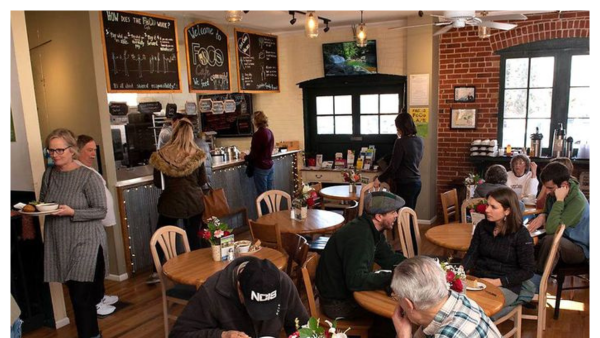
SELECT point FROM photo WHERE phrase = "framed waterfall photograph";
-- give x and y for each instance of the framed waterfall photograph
(464, 94)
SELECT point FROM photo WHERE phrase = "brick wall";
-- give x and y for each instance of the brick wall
(467, 60)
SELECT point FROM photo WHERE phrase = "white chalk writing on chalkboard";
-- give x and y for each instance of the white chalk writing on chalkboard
(244, 44)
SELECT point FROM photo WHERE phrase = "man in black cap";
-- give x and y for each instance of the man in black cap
(249, 298)
(346, 264)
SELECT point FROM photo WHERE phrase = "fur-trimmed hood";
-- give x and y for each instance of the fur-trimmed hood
(176, 164)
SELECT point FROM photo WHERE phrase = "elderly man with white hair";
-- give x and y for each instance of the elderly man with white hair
(426, 300)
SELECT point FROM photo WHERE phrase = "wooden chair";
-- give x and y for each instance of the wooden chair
(296, 248)
(450, 206)
(272, 199)
(351, 212)
(465, 205)
(368, 188)
(359, 327)
(268, 234)
(563, 270)
(173, 295)
(405, 216)
(319, 202)
(541, 297)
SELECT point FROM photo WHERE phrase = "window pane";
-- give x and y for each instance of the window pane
(516, 73)
(343, 105)
(387, 124)
(325, 105)
(540, 102)
(579, 130)
(579, 102)
(369, 104)
(389, 103)
(580, 70)
(513, 132)
(369, 125)
(515, 101)
(542, 72)
(343, 124)
(544, 128)
(324, 125)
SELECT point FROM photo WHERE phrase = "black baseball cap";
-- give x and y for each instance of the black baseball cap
(260, 282)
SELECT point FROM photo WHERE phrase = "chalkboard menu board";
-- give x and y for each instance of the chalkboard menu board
(207, 53)
(140, 53)
(216, 115)
(258, 62)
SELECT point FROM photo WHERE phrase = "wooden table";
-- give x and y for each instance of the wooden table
(341, 193)
(453, 236)
(317, 221)
(194, 267)
(531, 210)
(490, 299)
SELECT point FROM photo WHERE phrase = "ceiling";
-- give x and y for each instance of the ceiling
(279, 21)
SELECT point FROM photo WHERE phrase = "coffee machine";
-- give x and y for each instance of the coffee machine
(536, 144)
(558, 142)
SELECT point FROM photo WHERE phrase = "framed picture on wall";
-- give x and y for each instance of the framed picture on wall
(463, 119)
(464, 94)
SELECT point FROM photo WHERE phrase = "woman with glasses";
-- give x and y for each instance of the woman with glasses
(522, 177)
(75, 241)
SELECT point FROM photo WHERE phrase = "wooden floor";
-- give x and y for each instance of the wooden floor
(143, 317)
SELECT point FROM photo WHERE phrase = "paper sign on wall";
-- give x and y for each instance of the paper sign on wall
(421, 118)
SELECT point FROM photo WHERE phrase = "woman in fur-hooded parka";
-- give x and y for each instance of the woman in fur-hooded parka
(179, 171)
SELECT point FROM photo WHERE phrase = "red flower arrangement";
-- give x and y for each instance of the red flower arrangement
(454, 276)
(351, 177)
(216, 229)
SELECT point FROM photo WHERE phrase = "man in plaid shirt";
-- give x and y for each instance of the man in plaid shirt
(425, 299)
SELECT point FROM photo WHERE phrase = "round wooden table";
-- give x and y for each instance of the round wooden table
(490, 299)
(341, 193)
(453, 236)
(194, 267)
(531, 210)
(317, 221)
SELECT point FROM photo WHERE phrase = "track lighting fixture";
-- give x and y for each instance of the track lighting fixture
(311, 26)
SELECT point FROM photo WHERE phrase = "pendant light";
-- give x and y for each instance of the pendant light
(234, 16)
(311, 27)
(361, 33)
(484, 32)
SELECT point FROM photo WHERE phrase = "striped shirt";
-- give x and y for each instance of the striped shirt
(461, 317)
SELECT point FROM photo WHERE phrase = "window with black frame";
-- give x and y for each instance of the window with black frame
(542, 85)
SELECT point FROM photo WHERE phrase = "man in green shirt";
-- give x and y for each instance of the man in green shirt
(346, 264)
(567, 205)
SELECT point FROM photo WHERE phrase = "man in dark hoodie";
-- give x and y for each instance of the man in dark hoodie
(249, 298)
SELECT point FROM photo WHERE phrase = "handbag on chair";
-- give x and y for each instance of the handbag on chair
(215, 204)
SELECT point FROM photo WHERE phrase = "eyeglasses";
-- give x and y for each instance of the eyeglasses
(58, 151)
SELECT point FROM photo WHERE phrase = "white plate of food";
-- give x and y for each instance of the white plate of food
(480, 286)
(37, 213)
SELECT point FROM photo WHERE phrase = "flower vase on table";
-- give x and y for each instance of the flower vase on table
(352, 188)
(213, 233)
(353, 178)
(216, 252)
(456, 278)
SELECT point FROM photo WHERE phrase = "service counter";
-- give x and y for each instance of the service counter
(138, 197)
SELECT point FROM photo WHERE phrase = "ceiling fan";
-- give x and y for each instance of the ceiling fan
(460, 19)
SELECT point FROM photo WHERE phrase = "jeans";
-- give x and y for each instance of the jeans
(568, 252)
(263, 179)
(15, 329)
(509, 298)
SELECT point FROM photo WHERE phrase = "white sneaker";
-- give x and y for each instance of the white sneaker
(153, 279)
(104, 309)
(109, 300)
